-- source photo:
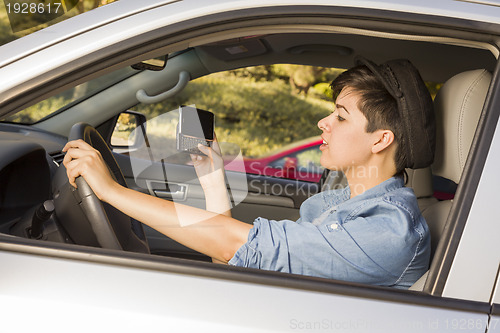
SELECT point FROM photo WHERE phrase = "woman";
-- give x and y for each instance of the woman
(370, 232)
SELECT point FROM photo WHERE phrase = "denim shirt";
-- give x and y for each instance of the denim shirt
(378, 237)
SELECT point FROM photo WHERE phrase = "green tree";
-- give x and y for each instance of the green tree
(7, 35)
(258, 116)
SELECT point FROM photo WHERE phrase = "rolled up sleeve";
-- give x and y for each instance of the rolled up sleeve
(286, 246)
(266, 247)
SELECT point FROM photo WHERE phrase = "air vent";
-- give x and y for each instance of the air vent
(57, 156)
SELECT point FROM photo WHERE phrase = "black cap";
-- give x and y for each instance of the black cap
(404, 83)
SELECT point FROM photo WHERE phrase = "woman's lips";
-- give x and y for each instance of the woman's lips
(324, 145)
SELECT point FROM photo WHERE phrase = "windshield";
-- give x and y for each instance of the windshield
(61, 101)
(21, 18)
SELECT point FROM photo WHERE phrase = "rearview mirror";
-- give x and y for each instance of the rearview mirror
(155, 64)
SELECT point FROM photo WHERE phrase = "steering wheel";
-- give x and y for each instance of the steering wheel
(85, 219)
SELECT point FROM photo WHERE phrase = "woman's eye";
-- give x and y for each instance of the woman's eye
(339, 118)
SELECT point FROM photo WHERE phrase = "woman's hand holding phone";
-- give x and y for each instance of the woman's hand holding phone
(210, 172)
(209, 168)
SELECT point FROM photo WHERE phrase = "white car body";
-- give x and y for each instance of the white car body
(50, 287)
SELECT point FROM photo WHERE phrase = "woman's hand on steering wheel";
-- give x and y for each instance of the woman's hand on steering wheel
(83, 160)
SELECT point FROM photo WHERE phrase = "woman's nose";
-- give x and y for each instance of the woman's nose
(323, 124)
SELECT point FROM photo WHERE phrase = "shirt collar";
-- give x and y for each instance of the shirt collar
(388, 185)
(343, 195)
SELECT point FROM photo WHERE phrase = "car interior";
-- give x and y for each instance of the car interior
(30, 161)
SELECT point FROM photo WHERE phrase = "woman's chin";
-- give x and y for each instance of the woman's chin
(329, 165)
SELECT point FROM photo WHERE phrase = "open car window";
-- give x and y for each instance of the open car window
(261, 111)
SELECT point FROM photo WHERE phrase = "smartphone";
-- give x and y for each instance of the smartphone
(195, 126)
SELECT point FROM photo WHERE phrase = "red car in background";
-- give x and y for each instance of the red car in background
(299, 160)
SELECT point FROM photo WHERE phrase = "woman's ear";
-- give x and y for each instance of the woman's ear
(384, 139)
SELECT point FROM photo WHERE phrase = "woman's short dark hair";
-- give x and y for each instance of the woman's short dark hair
(378, 106)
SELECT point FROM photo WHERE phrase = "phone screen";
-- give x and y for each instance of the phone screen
(197, 123)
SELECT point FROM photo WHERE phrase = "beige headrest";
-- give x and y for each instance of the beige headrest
(458, 106)
(420, 180)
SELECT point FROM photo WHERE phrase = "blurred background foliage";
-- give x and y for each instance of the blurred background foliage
(257, 108)
(7, 35)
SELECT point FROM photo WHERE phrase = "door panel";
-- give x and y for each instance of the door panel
(191, 297)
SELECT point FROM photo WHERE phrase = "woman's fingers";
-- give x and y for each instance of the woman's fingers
(75, 153)
(212, 152)
(76, 149)
(80, 144)
(83, 160)
(196, 159)
(81, 154)
(72, 171)
(80, 157)
(204, 149)
(216, 146)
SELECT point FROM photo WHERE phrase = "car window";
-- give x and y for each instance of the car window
(305, 160)
(259, 112)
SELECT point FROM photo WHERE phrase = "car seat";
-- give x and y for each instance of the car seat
(458, 106)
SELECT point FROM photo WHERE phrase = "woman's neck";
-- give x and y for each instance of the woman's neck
(361, 179)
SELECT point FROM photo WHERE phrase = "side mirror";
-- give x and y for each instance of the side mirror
(129, 131)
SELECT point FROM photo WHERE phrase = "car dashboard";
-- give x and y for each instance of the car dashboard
(29, 159)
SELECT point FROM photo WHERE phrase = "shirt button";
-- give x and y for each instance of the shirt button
(334, 226)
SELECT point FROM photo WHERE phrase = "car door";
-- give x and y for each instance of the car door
(108, 291)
